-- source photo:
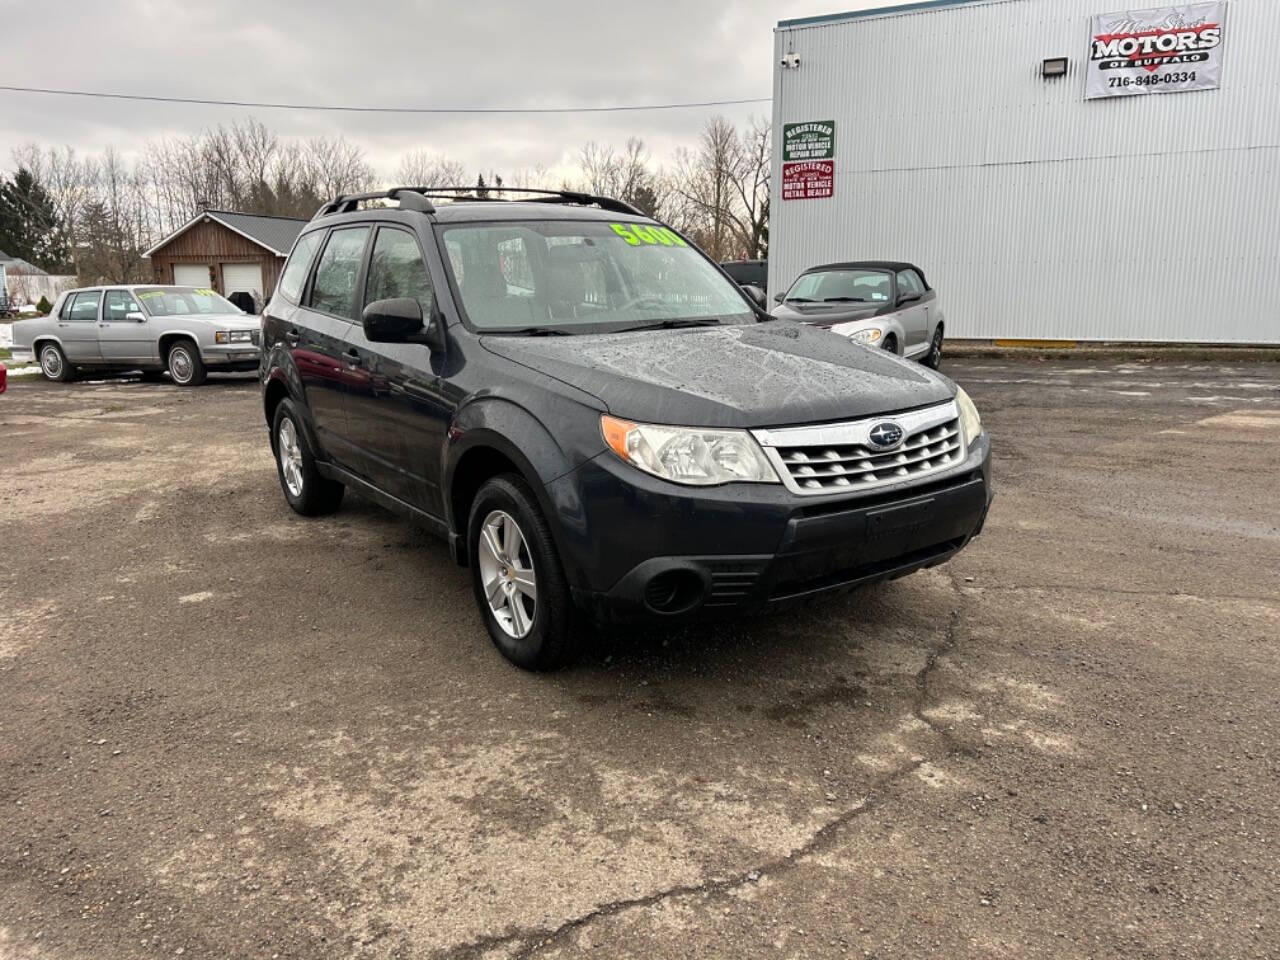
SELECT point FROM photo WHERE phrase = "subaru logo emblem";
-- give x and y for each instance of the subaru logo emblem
(885, 435)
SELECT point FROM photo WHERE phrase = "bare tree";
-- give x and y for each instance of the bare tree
(750, 212)
(113, 229)
(420, 168)
(334, 166)
(704, 179)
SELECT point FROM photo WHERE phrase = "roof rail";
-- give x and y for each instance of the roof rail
(417, 198)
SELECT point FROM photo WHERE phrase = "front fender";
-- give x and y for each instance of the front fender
(511, 430)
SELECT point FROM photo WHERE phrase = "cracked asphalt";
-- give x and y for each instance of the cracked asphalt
(227, 731)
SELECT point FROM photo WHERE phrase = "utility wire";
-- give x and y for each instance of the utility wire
(616, 108)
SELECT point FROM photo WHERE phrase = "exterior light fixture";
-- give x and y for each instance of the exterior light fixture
(1053, 68)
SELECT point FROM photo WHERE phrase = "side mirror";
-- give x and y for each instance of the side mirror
(908, 298)
(399, 320)
(778, 297)
(755, 293)
(136, 317)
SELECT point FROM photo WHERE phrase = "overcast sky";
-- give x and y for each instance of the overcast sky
(477, 53)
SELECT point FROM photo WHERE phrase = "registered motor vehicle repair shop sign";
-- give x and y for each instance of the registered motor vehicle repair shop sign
(808, 155)
(1162, 50)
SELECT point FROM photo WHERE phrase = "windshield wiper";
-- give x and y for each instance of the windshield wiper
(535, 332)
(674, 324)
(797, 300)
(843, 300)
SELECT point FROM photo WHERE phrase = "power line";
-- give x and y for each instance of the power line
(263, 105)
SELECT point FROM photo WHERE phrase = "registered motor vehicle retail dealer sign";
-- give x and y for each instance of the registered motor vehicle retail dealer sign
(810, 180)
(808, 154)
(1161, 50)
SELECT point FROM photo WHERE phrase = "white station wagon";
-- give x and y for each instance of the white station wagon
(187, 331)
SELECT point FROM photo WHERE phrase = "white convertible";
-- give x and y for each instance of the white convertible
(881, 303)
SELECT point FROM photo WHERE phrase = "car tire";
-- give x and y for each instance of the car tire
(538, 630)
(306, 490)
(186, 369)
(54, 365)
(933, 359)
(890, 344)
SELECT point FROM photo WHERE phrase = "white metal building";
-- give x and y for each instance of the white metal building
(1038, 213)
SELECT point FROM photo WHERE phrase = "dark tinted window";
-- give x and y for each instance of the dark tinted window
(743, 273)
(294, 277)
(334, 288)
(396, 269)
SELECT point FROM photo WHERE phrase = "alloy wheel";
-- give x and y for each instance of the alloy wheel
(507, 574)
(290, 453)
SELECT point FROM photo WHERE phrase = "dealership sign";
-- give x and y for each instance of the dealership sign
(808, 154)
(815, 140)
(1162, 50)
(808, 180)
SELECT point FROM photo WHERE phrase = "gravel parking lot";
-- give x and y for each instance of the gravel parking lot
(226, 731)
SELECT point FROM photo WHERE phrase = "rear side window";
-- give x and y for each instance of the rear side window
(84, 308)
(334, 288)
(295, 273)
(909, 282)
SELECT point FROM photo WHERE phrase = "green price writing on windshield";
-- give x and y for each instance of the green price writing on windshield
(637, 233)
(149, 294)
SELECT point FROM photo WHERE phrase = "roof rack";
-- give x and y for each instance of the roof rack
(418, 198)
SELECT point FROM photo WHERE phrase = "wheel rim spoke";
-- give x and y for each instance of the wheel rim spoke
(519, 619)
(489, 538)
(525, 583)
(511, 539)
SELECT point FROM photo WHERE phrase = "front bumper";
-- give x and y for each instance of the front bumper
(714, 552)
(239, 356)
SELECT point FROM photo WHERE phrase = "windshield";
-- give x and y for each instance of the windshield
(585, 276)
(840, 286)
(178, 301)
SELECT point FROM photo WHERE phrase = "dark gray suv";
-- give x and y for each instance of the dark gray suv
(603, 425)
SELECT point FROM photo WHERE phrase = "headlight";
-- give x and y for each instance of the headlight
(689, 455)
(867, 336)
(970, 422)
(233, 336)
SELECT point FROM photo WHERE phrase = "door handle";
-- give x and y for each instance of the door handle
(352, 357)
(291, 338)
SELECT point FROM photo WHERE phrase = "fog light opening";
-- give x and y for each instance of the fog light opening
(673, 591)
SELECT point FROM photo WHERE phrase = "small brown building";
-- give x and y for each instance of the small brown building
(227, 252)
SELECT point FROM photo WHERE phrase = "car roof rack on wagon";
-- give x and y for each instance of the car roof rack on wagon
(419, 199)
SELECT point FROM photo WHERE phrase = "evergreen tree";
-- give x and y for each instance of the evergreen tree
(29, 227)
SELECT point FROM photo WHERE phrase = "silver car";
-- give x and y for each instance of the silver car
(881, 303)
(187, 331)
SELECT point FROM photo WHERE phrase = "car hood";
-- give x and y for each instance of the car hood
(827, 314)
(754, 375)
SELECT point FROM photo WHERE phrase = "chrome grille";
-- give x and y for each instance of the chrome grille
(840, 457)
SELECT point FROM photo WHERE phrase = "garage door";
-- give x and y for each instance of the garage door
(246, 277)
(191, 274)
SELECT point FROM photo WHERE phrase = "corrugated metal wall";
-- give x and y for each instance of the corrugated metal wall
(1034, 212)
